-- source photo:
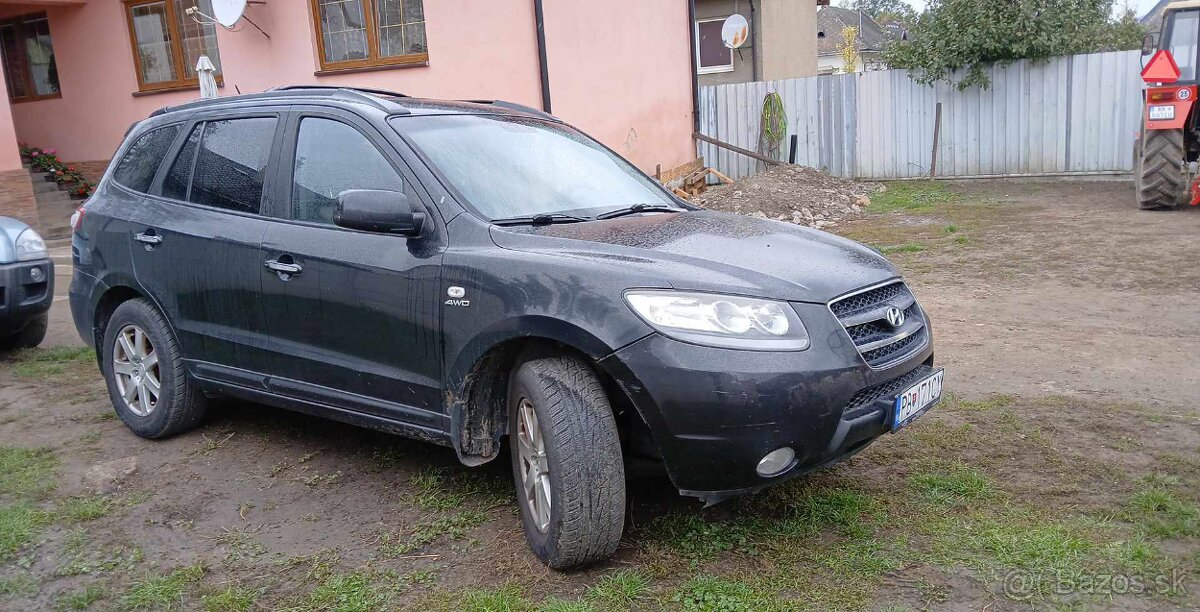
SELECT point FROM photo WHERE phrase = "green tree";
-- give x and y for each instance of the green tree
(967, 35)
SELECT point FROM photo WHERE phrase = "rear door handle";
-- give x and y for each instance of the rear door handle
(148, 239)
(284, 269)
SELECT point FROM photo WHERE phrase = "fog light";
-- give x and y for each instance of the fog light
(776, 462)
(36, 275)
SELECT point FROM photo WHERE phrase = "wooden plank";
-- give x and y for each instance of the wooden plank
(737, 149)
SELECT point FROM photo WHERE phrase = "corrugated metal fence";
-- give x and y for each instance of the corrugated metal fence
(1077, 114)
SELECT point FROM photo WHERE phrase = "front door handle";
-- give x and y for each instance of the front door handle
(284, 269)
(148, 238)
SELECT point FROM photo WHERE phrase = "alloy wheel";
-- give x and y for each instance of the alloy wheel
(135, 367)
(535, 468)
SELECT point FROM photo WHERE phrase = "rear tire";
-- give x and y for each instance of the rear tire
(1160, 179)
(30, 336)
(559, 400)
(139, 355)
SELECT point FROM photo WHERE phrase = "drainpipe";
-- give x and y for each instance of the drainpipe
(695, 78)
(541, 44)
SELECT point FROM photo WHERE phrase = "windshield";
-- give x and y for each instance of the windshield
(518, 167)
(1184, 35)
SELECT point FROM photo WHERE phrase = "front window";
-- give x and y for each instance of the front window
(167, 42)
(1184, 36)
(28, 56)
(514, 167)
(367, 33)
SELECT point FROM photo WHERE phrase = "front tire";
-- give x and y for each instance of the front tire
(145, 374)
(1160, 180)
(567, 463)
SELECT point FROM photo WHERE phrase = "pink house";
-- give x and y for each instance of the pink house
(79, 72)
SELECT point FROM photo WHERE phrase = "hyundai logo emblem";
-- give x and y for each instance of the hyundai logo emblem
(895, 317)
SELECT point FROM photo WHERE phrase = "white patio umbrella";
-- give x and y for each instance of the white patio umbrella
(208, 82)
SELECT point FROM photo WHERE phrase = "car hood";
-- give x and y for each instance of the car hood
(713, 251)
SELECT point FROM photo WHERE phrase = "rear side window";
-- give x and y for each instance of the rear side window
(136, 170)
(223, 164)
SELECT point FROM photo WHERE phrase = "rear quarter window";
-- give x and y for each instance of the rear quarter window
(137, 168)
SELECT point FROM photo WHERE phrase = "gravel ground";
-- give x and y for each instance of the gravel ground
(797, 194)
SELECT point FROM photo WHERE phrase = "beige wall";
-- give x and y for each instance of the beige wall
(788, 40)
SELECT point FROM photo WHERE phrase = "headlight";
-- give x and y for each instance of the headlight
(723, 321)
(30, 246)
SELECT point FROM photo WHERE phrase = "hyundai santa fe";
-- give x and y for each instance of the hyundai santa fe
(471, 273)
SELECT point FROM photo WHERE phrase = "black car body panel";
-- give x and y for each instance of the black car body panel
(414, 334)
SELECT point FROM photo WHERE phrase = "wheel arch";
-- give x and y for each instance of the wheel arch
(476, 397)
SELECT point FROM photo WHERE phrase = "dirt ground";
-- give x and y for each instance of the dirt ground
(1062, 472)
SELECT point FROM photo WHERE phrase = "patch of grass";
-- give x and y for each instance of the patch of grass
(18, 586)
(26, 472)
(947, 488)
(619, 589)
(81, 600)
(507, 598)
(908, 247)
(232, 599)
(911, 197)
(46, 362)
(950, 229)
(19, 524)
(961, 240)
(433, 492)
(81, 559)
(354, 592)
(80, 509)
(992, 402)
(453, 527)
(554, 604)
(687, 534)
(943, 437)
(240, 544)
(706, 593)
(1160, 513)
(164, 592)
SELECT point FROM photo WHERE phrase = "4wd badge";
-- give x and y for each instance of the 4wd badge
(456, 294)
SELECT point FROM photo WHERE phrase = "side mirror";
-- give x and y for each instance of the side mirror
(1149, 44)
(374, 210)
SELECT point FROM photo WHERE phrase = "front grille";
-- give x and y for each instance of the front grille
(863, 402)
(864, 316)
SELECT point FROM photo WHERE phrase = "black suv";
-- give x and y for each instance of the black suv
(470, 272)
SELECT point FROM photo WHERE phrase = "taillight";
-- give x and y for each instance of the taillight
(1162, 96)
(77, 218)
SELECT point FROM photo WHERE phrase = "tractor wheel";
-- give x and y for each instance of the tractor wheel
(1160, 180)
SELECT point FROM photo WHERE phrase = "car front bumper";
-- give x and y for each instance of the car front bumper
(714, 413)
(26, 291)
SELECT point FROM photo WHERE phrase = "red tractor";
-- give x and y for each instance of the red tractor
(1170, 138)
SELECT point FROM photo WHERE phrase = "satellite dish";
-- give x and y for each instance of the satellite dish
(734, 33)
(228, 12)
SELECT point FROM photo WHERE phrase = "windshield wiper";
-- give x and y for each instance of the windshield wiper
(542, 219)
(637, 208)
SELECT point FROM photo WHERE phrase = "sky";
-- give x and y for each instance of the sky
(1139, 6)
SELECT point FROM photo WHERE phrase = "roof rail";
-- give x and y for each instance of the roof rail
(514, 106)
(367, 96)
(366, 90)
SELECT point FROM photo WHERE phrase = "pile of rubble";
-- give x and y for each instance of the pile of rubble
(796, 194)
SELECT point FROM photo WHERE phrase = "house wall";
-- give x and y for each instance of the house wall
(788, 39)
(16, 190)
(832, 64)
(743, 59)
(600, 78)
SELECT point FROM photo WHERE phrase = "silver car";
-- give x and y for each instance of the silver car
(26, 285)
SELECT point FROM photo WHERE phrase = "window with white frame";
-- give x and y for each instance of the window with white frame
(711, 53)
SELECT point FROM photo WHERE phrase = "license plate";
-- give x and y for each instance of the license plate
(917, 399)
(1162, 113)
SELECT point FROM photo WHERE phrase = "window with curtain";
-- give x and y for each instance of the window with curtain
(28, 57)
(369, 33)
(167, 42)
